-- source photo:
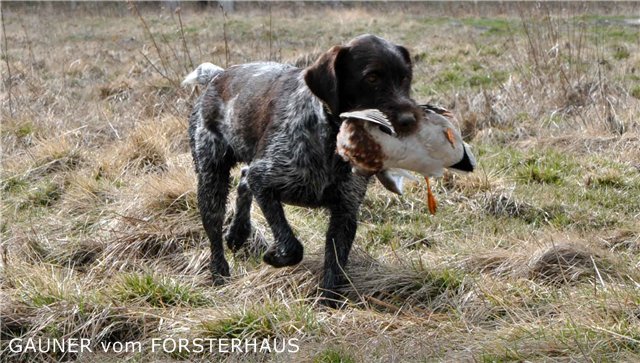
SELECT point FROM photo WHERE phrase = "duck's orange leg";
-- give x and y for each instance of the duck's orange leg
(431, 200)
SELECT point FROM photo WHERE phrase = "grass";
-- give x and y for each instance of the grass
(491, 26)
(333, 356)
(264, 322)
(534, 257)
(549, 167)
(158, 292)
(44, 195)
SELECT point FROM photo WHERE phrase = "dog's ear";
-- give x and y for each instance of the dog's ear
(322, 77)
(405, 54)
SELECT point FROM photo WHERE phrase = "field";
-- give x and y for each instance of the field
(533, 257)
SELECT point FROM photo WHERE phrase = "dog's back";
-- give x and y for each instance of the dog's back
(255, 105)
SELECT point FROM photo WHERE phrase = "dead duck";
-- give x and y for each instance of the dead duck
(368, 141)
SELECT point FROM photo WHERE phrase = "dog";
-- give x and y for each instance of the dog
(282, 121)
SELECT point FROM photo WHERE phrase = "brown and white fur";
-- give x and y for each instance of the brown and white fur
(282, 121)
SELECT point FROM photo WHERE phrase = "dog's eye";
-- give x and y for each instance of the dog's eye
(372, 78)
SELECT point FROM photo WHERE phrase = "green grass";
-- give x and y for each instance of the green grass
(549, 167)
(24, 129)
(158, 292)
(333, 356)
(264, 322)
(621, 52)
(14, 184)
(536, 173)
(43, 195)
(616, 33)
(249, 325)
(441, 281)
(461, 76)
(487, 80)
(494, 27)
(40, 299)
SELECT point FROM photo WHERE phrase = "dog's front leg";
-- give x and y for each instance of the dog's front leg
(342, 230)
(343, 203)
(286, 250)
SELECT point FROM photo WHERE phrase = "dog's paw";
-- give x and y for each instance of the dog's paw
(238, 235)
(280, 256)
(253, 249)
(220, 273)
(219, 280)
(332, 299)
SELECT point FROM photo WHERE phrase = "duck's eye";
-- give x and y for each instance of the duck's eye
(372, 78)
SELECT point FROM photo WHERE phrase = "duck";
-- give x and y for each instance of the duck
(368, 141)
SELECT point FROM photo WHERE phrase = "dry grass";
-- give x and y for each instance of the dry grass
(536, 256)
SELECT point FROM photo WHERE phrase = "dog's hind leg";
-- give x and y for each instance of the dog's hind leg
(240, 228)
(213, 158)
(214, 162)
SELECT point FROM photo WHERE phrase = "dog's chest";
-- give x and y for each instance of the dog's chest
(303, 165)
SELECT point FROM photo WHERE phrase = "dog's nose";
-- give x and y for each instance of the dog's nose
(406, 119)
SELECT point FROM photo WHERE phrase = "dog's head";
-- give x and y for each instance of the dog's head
(368, 72)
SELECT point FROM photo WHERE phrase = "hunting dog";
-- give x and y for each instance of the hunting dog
(282, 121)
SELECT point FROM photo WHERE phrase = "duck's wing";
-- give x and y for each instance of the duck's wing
(371, 115)
(393, 179)
(436, 111)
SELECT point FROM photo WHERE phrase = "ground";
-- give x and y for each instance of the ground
(535, 256)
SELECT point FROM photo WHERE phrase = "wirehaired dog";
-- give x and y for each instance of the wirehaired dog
(282, 121)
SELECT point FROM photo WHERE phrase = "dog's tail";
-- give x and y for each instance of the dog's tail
(203, 74)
